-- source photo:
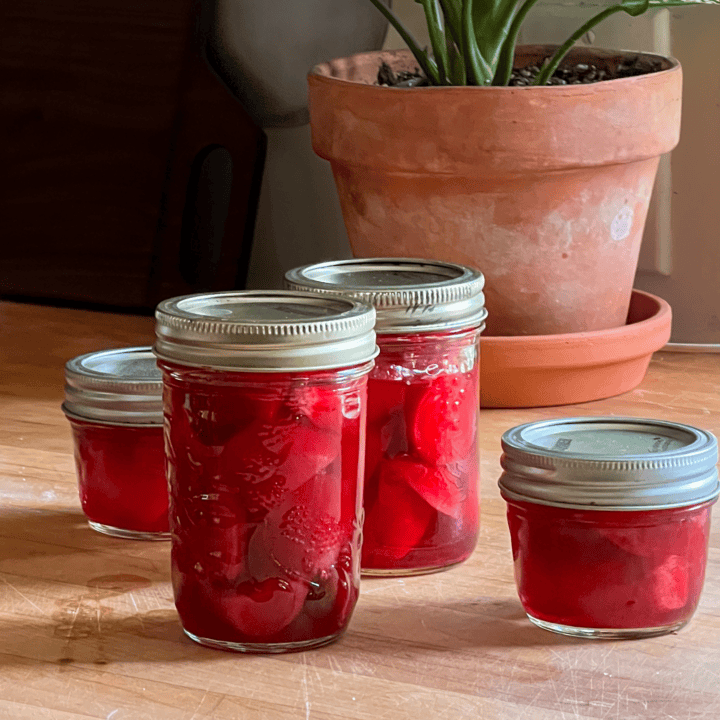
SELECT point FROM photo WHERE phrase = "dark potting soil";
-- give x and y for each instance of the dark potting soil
(566, 74)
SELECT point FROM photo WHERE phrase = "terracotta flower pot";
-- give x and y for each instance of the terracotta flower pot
(543, 189)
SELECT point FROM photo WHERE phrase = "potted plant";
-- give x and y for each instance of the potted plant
(534, 164)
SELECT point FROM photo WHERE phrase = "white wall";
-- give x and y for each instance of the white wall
(299, 219)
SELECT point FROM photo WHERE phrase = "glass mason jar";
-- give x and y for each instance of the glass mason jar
(609, 521)
(265, 404)
(113, 400)
(421, 465)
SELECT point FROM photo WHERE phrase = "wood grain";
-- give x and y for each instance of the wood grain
(88, 627)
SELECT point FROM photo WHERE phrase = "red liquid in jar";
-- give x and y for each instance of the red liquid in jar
(421, 471)
(121, 476)
(609, 569)
(265, 501)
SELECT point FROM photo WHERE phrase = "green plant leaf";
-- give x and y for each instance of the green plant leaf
(434, 22)
(458, 74)
(426, 63)
(479, 71)
(492, 20)
(452, 10)
(631, 7)
(504, 67)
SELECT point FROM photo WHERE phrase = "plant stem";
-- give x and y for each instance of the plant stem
(507, 52)
(453, 21)
(550, 67)
(478, 71)
(437, 38)
(426, 63)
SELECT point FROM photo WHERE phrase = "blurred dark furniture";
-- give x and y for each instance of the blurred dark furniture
(131, 173)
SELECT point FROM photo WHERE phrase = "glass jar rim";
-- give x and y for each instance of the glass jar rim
(264, 331)
(616, 463)
(117, 386)
(410, 295)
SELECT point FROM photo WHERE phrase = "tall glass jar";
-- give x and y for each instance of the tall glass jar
(265, 405)
(422, 464)
(113, 400)
(609, 521)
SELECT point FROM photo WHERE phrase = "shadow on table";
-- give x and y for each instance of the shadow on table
(29, 532)
(456, 625)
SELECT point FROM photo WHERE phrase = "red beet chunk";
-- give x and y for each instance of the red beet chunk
(399, 518)
(443, 420)
(302, 538)
(438, 486)
(384, 398)
(265, 461)
(322, 406)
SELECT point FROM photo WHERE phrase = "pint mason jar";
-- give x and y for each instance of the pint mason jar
(421, 464)
(265, 405)
(113, 400)
(609, 521)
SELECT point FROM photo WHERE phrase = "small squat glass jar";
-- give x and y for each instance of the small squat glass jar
(265, 404)
(609, 521)
(113, 400)
(421, 464)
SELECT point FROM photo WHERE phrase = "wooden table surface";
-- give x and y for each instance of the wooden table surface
(88, 627)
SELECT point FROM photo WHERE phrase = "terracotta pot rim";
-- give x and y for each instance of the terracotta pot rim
(489, 131)
(597, 347)
(318, 74)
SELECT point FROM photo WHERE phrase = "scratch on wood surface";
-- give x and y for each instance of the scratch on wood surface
(24, 597)
(306, 692)
(197, 709)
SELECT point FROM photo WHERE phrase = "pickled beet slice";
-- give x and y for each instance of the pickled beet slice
(393, 434)
(330, 600)
(670, 583)
(646, 542)
(439, 487)
(398, 519)
(266, 461)
(260, 609)
(322, 406)
(384, 397)
(303, 537)
(443, 419)
(214, 418)
(656, 541)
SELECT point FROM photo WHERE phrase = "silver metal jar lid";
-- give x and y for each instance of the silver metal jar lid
(265, 331)
(609, 463)
(410, 295)
(115, 386)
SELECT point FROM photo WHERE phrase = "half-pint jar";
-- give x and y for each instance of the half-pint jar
(113, 400)
(422, 465)
(609, 520)
(265, 404)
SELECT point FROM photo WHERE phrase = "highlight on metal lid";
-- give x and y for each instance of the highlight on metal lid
(121, 386)
(265, 331)
(409, 294)
(609, 463)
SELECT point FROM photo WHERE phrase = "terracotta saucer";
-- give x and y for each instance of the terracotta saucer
(543, 370)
